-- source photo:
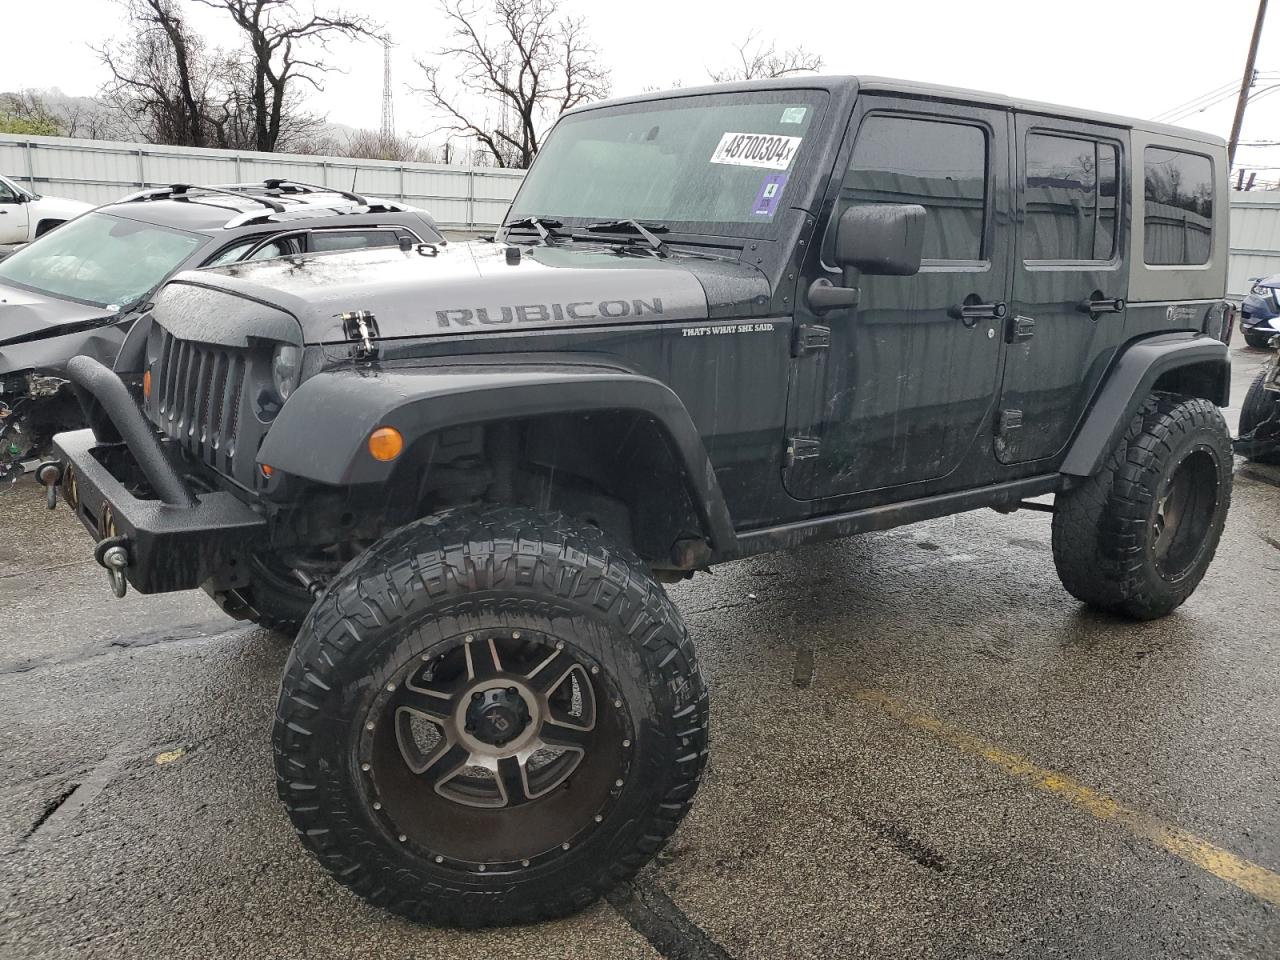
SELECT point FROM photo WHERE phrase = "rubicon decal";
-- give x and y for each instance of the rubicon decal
(578, 310)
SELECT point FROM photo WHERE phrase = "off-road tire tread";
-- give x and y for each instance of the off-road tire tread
(433, 565)
(1259, 403)
(1098, 534)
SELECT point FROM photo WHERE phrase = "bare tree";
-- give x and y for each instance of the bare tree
(276, 60)
(760, 61)
(161, 78)
(371, 145)
(518, 65)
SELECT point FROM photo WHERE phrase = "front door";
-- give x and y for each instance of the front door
(1069, 282)
(13, 215)
(909, 378)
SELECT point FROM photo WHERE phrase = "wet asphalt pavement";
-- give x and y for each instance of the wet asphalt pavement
(922, 747)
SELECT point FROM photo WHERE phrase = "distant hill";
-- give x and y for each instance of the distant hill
(89, 118)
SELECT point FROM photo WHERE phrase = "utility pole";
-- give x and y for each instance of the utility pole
(388, 133)
(1246, 83)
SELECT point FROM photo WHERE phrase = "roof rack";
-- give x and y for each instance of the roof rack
(182, 191)
(275, 184)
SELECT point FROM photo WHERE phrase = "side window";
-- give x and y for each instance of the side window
(327, 240)
(237, 251)
(938, 164)
(1178, 212)
(1071, 197)
(7, 195)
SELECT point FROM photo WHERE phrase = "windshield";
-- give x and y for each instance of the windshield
(719, 164)
(100, 259)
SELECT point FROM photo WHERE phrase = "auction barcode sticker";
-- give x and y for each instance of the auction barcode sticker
(756, 150)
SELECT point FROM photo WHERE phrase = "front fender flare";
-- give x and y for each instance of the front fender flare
(321, 433)
(1130, 381)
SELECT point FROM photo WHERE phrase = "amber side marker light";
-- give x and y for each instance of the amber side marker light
(146, 384)
(267, 470)
(385, 444)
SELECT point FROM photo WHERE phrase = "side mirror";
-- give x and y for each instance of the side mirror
(881, 239)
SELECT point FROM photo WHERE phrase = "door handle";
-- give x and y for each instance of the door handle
(973, 310)
(1097, 304)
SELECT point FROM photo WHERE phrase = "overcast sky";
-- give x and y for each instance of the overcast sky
(1138, 57)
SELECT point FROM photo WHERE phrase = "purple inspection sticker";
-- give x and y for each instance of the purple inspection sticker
(766, 204)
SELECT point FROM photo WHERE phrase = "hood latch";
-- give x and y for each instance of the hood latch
(362, 327)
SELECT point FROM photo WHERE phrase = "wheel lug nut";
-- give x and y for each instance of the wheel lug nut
(368, 726)
(391, 687)
(617, 703)
(376, 805)
(524, 863)
(564, 846)
(512, 691)
(439, 859)
(364, 767)
(617, 783)
(403, 838)
(482, 868)
(626, 743)
(599, 817)
(515, 634)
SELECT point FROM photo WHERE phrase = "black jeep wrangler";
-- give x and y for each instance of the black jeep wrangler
(716, 322)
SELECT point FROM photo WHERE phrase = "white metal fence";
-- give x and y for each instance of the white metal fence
(100, 171)
(1255, 238)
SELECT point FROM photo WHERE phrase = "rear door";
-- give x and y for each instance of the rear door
(896, 390)
(1069, 281)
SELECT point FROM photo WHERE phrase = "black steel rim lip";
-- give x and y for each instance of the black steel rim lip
(1183, 513)
(575, 790)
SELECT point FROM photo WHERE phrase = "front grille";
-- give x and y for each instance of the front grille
(196, 398)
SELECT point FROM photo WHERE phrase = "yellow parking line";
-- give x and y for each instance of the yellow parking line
(1245, 874)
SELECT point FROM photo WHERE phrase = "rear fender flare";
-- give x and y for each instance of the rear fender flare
(1198, 365)
(321, 433)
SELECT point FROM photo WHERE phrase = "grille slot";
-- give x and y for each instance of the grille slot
(197, 402)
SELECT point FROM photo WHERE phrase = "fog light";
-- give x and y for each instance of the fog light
(385, 444)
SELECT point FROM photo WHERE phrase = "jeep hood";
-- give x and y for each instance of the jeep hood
(25, 315)
(472, 288)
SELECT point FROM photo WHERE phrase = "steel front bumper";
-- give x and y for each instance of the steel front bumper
(130, 492)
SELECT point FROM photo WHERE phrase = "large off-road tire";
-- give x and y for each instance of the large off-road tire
(422, 660)
(1136, 538)
(1259, 404)
(1259, 341)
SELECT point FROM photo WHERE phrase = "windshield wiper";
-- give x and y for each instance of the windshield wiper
(545, 226)
(647, 231)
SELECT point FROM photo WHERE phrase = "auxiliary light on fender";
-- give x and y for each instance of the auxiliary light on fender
(385, 444)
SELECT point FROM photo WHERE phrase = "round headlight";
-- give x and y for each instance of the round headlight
(286, 369)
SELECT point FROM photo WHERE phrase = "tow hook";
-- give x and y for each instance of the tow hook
(49, 473)
(113, 554)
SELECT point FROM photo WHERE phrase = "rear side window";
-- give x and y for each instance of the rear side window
(1178, 213)
(941, 166)
(1070, 199)
(329, 240)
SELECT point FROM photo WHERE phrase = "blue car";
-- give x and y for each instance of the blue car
(1257, 309)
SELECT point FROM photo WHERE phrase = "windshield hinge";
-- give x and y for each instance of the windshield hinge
(810, 337)
(802, 448)
(361, 327)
